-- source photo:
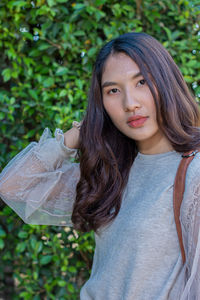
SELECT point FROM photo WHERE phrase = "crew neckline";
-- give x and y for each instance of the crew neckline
(158, 156)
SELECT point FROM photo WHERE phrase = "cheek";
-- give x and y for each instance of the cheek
(108, 106)
(112, 111)
(151, 107)
(154, 117)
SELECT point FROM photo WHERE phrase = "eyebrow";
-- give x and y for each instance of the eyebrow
(110, 83)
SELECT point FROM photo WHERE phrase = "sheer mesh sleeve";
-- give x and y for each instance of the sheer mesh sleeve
(187, 286)
(39, 183)
(191, 239)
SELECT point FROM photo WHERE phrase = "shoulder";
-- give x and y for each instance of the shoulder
(193, 171)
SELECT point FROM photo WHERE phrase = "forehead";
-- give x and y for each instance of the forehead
(119, 64)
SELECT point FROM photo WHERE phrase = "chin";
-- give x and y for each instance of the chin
(141, 137)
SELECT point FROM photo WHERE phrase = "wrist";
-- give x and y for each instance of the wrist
(71, 138)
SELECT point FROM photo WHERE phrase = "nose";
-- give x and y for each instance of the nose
(131, 103)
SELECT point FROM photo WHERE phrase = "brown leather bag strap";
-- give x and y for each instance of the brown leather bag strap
(179, 188)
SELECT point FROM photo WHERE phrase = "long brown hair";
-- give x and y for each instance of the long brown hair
(106, 155)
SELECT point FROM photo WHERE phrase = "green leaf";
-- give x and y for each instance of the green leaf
(2, 116)
(35, 275)
(63, 93)
(33, 242)
(100, 2)
(70, 287)
(79, 6)
(33, 94)
(72, 269)
(43, 46)
(28, 35)
(34, 53)
(21, 247)
(45, 259)
(6, 74)
(51, 2)
(62, 71)
(22, 234)
(12, 100)
(38, 247)
(17, 3)
(46, 59)
(27, 136)
(36, 297)
(169, 34)
(25, 295)
(191, 63)
(48, 82)
(92, 51)
(2, 244)
(79, 33)
(62, 283)
(2, 233)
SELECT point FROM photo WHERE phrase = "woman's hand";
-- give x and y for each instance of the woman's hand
(71, 138)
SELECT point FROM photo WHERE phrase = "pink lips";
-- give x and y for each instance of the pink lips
(137, 121)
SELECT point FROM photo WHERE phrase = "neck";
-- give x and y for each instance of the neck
(159, 145)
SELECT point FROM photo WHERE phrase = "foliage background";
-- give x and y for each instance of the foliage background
(47, 51)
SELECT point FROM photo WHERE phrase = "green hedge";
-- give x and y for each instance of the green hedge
(47, 51)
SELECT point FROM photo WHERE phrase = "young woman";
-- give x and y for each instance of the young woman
(140, 119)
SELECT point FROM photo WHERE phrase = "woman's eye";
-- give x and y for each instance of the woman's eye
(142, 81)
(113, 91)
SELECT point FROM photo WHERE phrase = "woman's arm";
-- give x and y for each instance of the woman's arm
(192, 288)
(191, 238)
(39, 183)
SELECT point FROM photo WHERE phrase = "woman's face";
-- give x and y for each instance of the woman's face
(126, 94)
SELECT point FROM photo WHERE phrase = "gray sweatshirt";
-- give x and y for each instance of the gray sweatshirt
(138, 256)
